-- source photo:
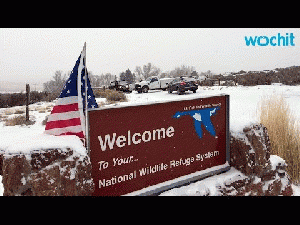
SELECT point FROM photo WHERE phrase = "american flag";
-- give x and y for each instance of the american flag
(68, 115)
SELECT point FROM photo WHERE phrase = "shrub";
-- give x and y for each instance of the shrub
(19, 99)
(19, 111)
(115, 96)
(18, 120)
(100, 93)
(8, 112)
(110, 95)
(49, 97)
(3, 117)
(283, 129)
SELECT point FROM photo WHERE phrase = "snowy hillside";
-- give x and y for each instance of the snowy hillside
(243, 111)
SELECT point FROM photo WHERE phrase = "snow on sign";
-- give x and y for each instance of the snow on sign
(145, 149)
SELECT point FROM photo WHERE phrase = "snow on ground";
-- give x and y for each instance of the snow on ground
(28, 138)
(205, 186)
(209, 185)
(243, 111)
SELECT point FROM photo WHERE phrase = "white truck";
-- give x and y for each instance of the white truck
(152, 83)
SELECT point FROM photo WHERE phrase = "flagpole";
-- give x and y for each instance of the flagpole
(86, 107)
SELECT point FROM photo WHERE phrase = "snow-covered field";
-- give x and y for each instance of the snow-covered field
(243, 111)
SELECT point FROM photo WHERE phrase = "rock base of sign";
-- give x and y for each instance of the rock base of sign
(46, 172)
(250, 154)
(255, 186)
(64, 172)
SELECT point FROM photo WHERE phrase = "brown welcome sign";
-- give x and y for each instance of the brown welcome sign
(146, 149)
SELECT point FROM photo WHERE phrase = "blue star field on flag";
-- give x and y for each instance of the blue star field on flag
(70, 88)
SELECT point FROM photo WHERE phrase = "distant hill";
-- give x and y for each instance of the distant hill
(9, 86)
(288, 76)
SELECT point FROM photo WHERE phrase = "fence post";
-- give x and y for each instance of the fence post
(27, 101)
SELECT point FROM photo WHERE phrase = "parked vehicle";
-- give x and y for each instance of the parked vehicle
(182, 84)
(152, 83)
(121, 86)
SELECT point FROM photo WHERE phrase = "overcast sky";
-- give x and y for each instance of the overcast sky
(35, 54)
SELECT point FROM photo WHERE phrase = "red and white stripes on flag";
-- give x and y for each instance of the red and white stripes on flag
(65, 118)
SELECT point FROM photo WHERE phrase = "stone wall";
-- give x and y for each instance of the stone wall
(250, 153)
(64, 172)
(49, 172)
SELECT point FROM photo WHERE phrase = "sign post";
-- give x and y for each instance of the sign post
(27, 101)
(146, 149)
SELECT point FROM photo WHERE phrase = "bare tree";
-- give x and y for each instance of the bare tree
(147, 71)
(101, 80)
(182, 71)
(56, 84)
(139, 73)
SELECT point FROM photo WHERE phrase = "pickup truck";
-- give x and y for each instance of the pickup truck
(121, 86)
(152, 83)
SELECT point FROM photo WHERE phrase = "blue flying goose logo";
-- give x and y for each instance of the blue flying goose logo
(200, 117)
